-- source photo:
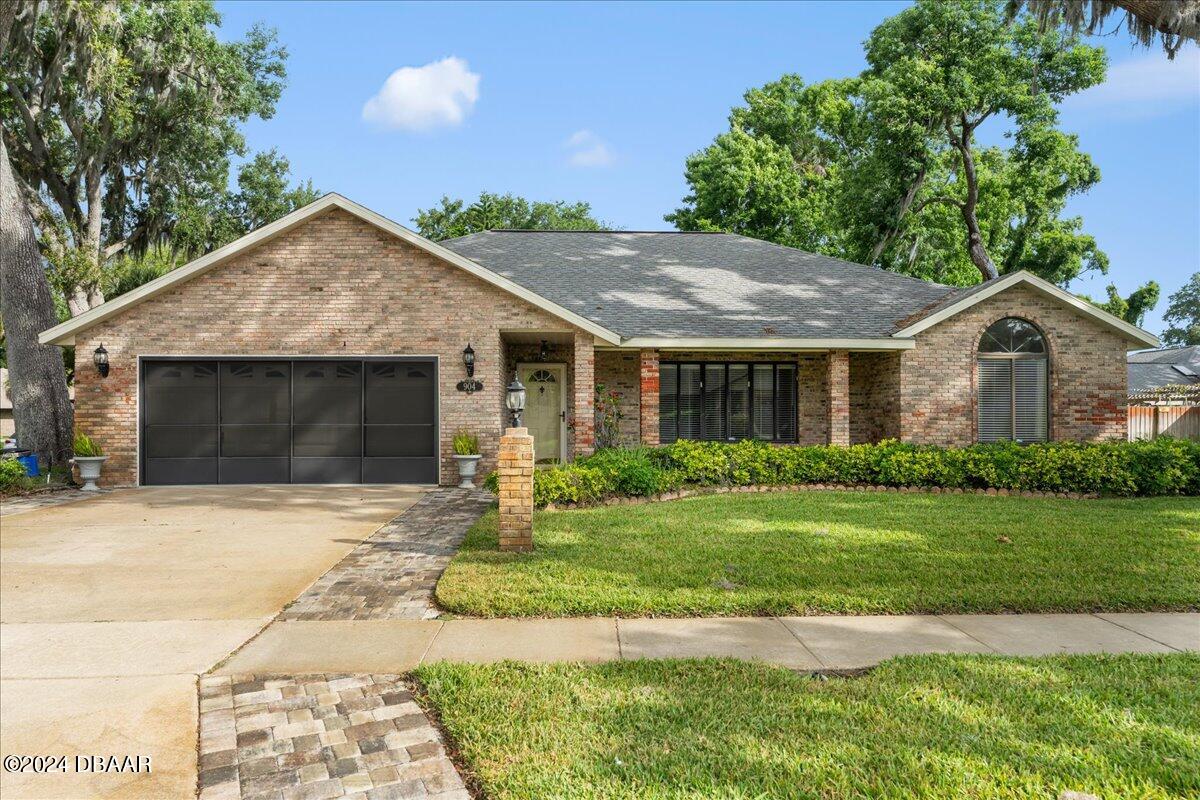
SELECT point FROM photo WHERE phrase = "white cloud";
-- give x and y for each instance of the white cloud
(1147, 86)
(441, 93)
(588, 150)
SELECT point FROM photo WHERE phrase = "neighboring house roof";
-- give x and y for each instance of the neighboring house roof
(701, 285)
(665, 289)
(1175, 366)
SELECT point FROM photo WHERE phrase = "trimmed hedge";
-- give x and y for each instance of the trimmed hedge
(1160, 467)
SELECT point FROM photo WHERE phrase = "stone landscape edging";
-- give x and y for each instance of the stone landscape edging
(815, 487)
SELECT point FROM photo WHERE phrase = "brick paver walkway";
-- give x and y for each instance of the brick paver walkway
(319, 736)
(391, 575)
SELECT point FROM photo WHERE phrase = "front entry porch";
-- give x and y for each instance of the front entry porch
(809, 397)
(836, 397)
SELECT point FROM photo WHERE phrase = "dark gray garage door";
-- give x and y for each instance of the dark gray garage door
(289, 421)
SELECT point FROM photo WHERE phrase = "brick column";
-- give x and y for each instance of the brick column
(838, 405)
(648, 397)
(515, 467)
(584, 439)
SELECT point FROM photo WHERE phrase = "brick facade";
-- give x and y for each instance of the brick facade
(874, 397)
(334, 286)
(1088, 373)
(617, 370)
(838, 406)
(648, 386)
(584, 430)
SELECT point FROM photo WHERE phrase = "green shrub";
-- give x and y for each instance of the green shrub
(466, 444)
(1162, 466)
(12, 473)
(85, 447)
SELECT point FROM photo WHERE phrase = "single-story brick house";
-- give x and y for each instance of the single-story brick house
(328, 347)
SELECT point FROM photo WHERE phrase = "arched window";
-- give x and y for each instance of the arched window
(1013, 383)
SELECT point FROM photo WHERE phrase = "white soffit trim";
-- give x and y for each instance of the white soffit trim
(1043, 287)
(64, 333)
(776, 343)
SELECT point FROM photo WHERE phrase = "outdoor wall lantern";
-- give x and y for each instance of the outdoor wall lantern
(100, 359)
(544, 351)
(470, 385)
(469, 360)
(515, 400)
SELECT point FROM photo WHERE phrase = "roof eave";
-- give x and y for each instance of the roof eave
(1044, 287)
(766, 343)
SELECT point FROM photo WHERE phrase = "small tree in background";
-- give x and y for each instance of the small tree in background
(495, 212)
(1183, 315)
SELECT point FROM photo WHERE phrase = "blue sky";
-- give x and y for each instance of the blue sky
(603, 102)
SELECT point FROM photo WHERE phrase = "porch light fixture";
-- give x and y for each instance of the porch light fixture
(100, 359)
(469, 360)
(544, 351)
(515, 400)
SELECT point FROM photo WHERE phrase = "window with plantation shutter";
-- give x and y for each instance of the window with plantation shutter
(995, 400)
(1013, 394)
(668, 394)
(1029, 391)
(714, 401)
(727, 401)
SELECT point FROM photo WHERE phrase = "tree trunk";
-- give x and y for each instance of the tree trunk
(37, 380)
(905, 204)
(91, 294)
(976, 250)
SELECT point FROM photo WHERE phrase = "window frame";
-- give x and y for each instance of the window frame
(1043, 356)
(726, 405)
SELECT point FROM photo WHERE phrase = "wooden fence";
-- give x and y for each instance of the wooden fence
(1150, 422)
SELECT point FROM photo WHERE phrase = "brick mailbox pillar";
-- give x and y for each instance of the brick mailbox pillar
(515, 468)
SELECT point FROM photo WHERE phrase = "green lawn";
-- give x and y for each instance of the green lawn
(928, 726)
(837, 552)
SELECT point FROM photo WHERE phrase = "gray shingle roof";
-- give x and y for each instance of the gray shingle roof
(701, 284)
(1151, 369)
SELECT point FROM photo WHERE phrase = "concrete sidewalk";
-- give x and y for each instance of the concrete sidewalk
(807, 643)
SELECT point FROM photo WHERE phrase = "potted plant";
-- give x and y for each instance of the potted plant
(466, 453)
(88, 457)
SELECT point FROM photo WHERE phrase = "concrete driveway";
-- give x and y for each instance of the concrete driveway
(111, 607)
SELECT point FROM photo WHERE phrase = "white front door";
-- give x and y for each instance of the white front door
(545, 409)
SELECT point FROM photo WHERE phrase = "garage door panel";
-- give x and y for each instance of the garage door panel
(400, 470)
(400, 440)
(181, 393)
(327, 393)
(255, 470)
(256, 392)
(174, 471)
(325, 441)
(400, 393)
(181, 441)
(327, 470)
(255, 441)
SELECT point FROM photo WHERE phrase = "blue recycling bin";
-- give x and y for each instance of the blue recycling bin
(30, 463)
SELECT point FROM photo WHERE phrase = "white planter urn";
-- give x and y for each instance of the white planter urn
(466, 470)
(89, 471)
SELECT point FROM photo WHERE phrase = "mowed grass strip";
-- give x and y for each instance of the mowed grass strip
(927, 726)
(837, 553)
